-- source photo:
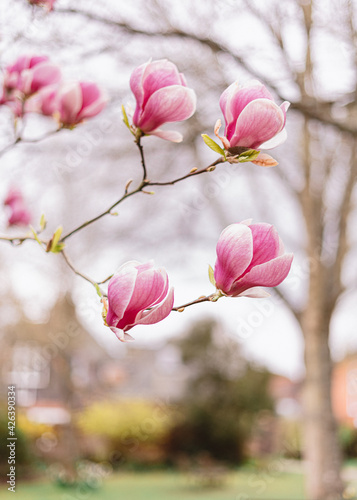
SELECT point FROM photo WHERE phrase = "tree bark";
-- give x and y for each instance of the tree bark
(321, 448)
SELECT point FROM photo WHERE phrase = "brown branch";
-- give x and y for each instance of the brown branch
(71, 266)
(309, 107)
(346, 207)
(140, 189)
(209, 298)
(28, 141)
(288, 304)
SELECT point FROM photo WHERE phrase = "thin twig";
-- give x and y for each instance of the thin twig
(209, 298)
(316, 110)
(139, 189)
(106, 212)
(210, 168)
(141, 149)
(28, 141)
(18, 240)
(71, 266)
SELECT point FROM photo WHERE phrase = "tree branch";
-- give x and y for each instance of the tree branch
(308, 106)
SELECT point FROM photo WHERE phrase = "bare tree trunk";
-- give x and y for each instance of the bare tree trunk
(322, 452)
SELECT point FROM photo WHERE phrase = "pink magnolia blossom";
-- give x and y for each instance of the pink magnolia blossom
(250, 255)
(162, 96)
(43, 3)
(18, 212)
(138, 294)
(28, 75)
(253, 120)
(70, 103)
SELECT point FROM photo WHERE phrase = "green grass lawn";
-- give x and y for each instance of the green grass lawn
(269, 484)
(274, 485)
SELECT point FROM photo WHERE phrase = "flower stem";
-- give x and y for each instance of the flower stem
(209, 298)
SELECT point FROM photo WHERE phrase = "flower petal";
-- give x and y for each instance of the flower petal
(120, 290)
(149, 285)
(234, 254)
(71, 101)
(168, 135)
(169, 104)
(236, 97)
(278, 139)
(159, 312)
(93, 100)
(269, 274)
(259, 121)
(266, 243)
(255, 293)
(157, 75)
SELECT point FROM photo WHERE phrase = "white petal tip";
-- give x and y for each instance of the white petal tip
(255, 293)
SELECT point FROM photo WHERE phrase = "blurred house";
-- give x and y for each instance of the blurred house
(344, 390)
(58, 367)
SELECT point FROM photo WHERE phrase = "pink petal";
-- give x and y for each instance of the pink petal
(44, 74)
(136, 85)
(269, 274)
(14, 195)
(159, 312)
(121, 335)
(234, 254)
(149, 285)
(93, 103)
(259, 121)
(70, 102)
(120, 290)
(45, 101)
(169, 104)
(255, 293)
(157, 75)
(266, 243)
(168, 135)
(235, 98)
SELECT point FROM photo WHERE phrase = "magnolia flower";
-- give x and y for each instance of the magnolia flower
(70, 103)
(18, 212)
(250, 255)
(138, 294)
(43, 3)
(161, 97)
(253, 120)
(28, 75)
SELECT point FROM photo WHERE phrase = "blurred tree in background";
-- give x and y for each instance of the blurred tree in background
(306, 52)
(224, 394)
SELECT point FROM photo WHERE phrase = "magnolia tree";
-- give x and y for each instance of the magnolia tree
(249, 255)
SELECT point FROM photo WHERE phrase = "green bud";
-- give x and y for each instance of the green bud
(98, 290)
(211, 276)
(213, 145)
(43, 222)
(54, 245)
(249, 155)
(125, 118)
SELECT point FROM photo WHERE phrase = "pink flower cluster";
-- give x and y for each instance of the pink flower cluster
(18, 212)
(248, 255)
(34, 84)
